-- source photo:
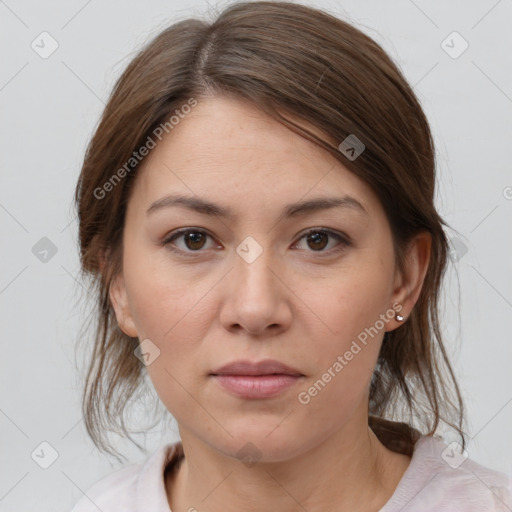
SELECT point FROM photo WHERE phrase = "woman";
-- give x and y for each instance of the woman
(257, 210)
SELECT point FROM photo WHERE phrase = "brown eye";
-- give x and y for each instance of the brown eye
(318, 239)
(194, 240)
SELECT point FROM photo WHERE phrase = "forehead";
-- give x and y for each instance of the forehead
(232, 152)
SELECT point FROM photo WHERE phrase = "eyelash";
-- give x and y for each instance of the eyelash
(345, 242)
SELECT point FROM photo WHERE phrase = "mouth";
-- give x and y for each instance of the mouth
(264, 379)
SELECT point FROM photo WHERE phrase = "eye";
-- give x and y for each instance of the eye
(194, 240)
(317, 239)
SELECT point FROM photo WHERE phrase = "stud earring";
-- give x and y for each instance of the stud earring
(400, 318)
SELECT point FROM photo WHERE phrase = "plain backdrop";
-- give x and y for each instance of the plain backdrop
(49, 108)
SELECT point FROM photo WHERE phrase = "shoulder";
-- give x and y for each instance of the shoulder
(440, 478)
(138, 483)
(115, 491)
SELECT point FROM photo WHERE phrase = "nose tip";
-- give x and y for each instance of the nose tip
(257, 304)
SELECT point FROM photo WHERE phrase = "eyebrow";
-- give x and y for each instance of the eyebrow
(205, 207)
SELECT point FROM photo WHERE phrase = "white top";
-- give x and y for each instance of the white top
(437, 480)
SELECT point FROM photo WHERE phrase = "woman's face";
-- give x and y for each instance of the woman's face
(253, 285)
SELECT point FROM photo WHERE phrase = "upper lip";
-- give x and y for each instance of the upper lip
(265, 367)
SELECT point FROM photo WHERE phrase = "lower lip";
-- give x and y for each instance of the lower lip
(256, 386)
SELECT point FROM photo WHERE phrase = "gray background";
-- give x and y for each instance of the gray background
(49, 108)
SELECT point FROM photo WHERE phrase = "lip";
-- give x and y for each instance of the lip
(263, 379)
(265, 367)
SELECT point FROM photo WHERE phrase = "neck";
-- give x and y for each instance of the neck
(351, 470)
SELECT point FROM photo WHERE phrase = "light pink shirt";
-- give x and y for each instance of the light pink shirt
(437, 480)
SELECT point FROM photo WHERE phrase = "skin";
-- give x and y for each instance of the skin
(300, 303)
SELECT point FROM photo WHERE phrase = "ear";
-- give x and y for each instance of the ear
(409, 282)
(119, 298)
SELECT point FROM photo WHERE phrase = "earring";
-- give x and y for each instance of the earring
(400, 318)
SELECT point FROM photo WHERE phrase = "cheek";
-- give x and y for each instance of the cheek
(171, 311)
(164, 298)
(345, 358)
(357, 297)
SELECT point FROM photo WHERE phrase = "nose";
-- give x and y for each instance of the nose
(256, 298)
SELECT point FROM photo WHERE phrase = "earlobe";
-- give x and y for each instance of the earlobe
(410, 281)
(119, 300)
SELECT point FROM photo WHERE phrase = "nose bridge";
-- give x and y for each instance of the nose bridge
(257, 299)
(254, 267)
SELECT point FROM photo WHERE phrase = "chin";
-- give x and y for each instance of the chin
(261, 443)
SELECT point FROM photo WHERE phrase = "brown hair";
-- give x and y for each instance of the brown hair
(290, 59)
